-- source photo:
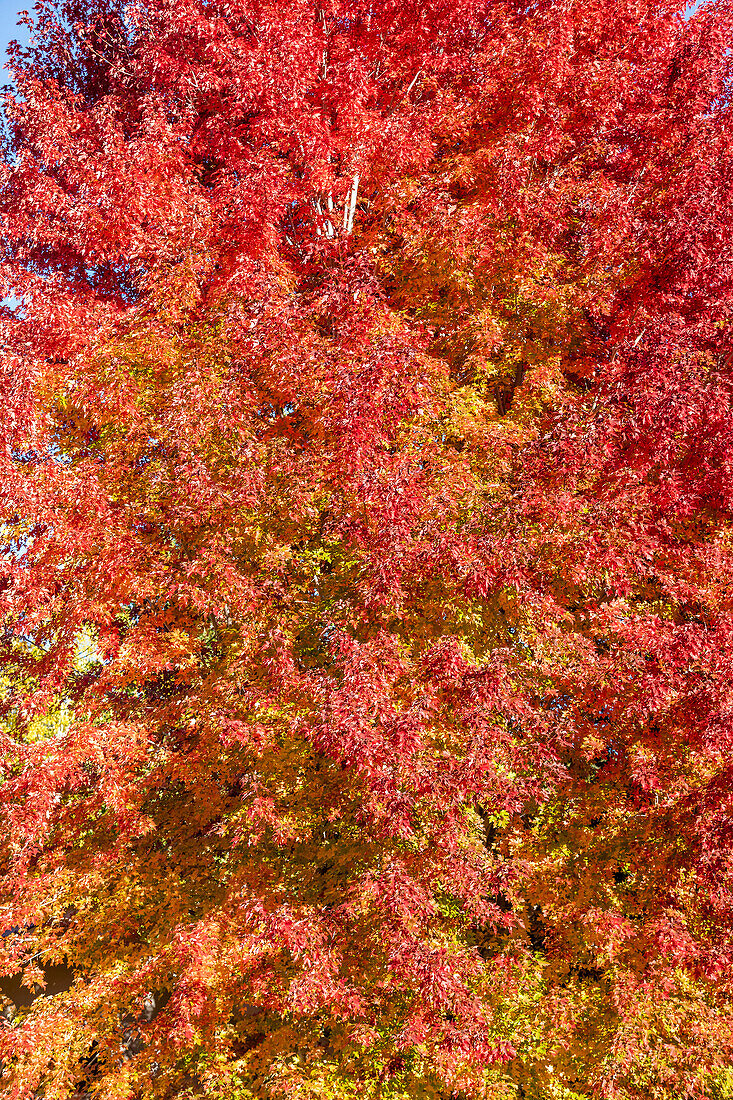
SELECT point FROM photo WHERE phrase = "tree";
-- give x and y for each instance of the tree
(367, 550)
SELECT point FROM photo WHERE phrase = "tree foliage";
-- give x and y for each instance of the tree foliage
(367, 583)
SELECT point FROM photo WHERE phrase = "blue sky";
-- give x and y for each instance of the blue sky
(8, 30)
(8, 18)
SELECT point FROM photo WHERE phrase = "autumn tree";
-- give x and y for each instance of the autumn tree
(367, 580)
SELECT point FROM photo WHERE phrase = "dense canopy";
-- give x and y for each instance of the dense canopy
(366, 487)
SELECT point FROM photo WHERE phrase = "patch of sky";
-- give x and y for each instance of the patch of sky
(9, 29)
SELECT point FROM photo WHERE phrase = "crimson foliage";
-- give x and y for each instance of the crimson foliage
(367, 578)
